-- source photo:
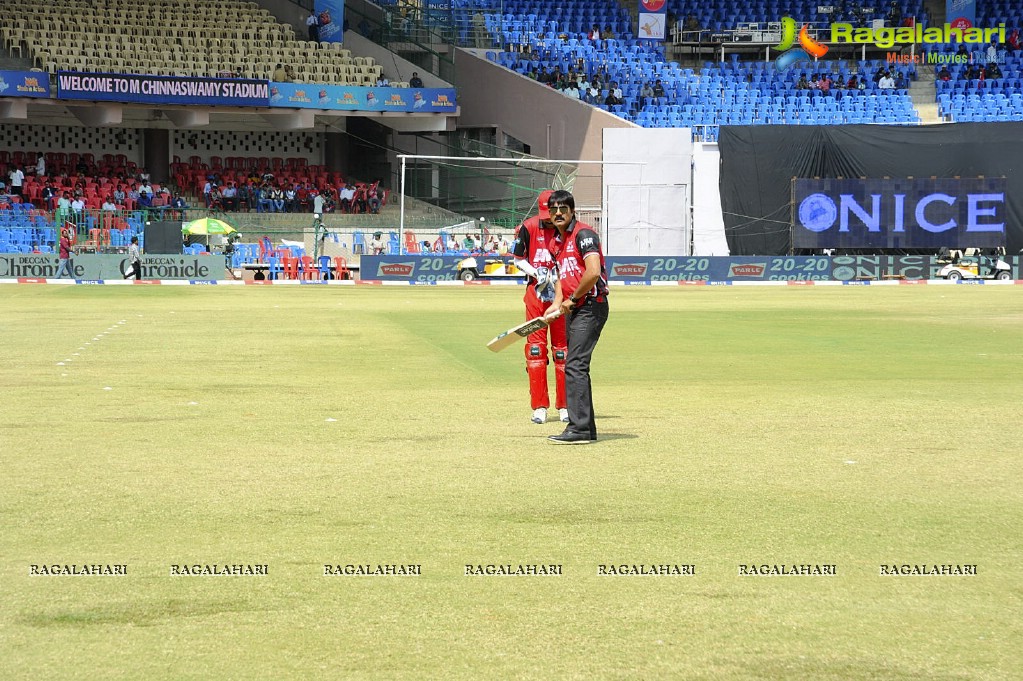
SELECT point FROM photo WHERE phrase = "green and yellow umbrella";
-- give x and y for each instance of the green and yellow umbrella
(207, 226)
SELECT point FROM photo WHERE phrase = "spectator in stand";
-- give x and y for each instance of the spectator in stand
(64, 205)
(824, 84)
(78, 210)
(207, 190)
(290, 199)
(415, 80)
(382, 81)
(617, 93)
(119, 195)
(480, 35)
(346, 196)
(1012, 43)
(971, 72)
(313, 27)
(359, 202)
(900, 81)
(279, 75)
(289, 74)
(594, 34)
(17, 179)
(802, 83)
(992, 71)
(992, 52)
(571, 90)
(49, 195)
(329, 200)
(944, 74)
(452, 243)
(277, 194)
(886, 82)
(264, 204)
(658, 92)
(373, 199)
(243, 195)
(40, 166)
(962, 51)
(645, 94)
(607, 33)
(319, 204)
(143, 177)
(109, 205)
(216, 198)
(377, 245)
(302, 197)
(230, 197)
(178, 206)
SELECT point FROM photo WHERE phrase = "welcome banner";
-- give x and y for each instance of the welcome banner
(149, 89)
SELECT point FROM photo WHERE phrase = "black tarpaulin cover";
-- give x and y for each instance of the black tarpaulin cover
(758, 163)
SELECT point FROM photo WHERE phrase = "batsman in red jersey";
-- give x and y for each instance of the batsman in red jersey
(581, 296)
(532, 241)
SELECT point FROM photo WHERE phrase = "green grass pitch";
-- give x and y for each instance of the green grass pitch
(303, 427)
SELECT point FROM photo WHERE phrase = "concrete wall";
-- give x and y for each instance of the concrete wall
(553, 125)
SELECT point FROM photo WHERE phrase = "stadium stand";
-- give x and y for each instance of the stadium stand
(734, 92)
(174, 37)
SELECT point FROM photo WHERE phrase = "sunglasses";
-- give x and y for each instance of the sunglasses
(559, 209)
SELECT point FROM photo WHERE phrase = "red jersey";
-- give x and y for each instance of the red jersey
(580, 240)
(533, 242)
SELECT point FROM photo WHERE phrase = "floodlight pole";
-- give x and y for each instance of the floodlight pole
(401, 208)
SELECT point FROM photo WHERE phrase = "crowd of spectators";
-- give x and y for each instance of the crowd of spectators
(262, 192)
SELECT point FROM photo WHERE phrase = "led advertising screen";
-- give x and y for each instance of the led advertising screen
(895, 213)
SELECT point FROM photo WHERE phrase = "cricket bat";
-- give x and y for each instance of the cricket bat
(521, 331)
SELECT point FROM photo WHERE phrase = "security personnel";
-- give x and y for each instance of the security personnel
(532, 256)
(581, 295)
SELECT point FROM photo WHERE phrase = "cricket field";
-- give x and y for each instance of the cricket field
(343, 482)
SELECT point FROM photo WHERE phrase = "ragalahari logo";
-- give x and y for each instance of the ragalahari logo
(808, 46)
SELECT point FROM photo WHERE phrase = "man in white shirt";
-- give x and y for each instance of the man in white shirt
(313, 24)
(345, 197)
(886, 82)
(17, 177)
(40, 166)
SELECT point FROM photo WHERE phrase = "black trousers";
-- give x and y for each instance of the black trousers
(583, 327)
(136, 271)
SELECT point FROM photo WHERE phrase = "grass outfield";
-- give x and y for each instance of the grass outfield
(298, 427)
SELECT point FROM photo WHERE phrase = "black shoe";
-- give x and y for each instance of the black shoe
(567, 438)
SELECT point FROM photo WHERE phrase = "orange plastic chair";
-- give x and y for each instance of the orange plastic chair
(341, 270)
(290, 267)
(310, 270)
